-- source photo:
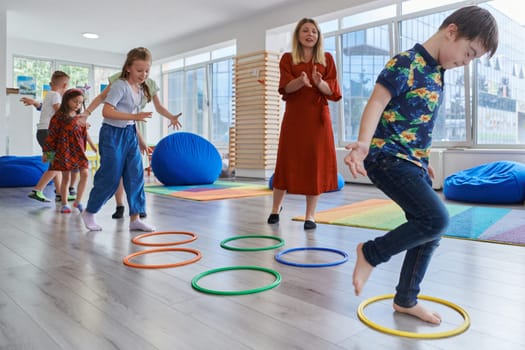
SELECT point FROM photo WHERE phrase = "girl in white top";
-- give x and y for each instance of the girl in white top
(118, 143)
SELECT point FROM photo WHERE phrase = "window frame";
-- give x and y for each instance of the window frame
(54, 64)
(470, 89)
(208, 97)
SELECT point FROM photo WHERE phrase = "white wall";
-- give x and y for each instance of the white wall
(455, 160)
(30, 48)
(250, 33)
(3, 79)
(18, 118)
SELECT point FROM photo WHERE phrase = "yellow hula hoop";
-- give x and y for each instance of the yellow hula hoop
(462, 328)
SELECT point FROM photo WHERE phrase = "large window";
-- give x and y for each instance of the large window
(500, 88)
(78, 74)
(365, 53)
(201, 86)
(39, 70)
(330, 45)
(174, 83)
(195, 101)
(88, 77)
(483, 104)
(101, 78)
(222, 100)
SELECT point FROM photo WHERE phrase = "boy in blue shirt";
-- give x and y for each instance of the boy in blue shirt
(393, 148)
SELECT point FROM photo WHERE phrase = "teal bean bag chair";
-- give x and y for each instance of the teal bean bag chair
(21, 171)
(501, 182)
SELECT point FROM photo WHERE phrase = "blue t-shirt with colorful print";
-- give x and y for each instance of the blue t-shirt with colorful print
(415, 81)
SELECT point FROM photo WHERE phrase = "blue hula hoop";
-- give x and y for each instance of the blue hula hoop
(279, 258)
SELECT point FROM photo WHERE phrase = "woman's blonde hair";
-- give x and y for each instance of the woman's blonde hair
(137, 54)
(297, 48)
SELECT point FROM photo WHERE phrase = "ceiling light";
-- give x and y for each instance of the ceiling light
(90, 35)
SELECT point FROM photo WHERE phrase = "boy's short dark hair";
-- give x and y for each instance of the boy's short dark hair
(57, 76)
(474, 22)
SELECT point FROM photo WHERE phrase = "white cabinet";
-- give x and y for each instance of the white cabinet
(20, 133)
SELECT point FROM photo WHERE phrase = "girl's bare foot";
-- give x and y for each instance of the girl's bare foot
(420, 312)
(362, 270)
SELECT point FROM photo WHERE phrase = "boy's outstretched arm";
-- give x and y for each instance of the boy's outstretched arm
(31, 102)
(369, 120)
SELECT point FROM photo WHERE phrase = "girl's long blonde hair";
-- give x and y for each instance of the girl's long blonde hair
(137, 54)
(297, 48)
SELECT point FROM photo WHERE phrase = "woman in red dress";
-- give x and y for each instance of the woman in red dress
(65, 145)
(306, 162)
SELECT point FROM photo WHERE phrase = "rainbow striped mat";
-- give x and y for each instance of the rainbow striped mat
(489, 224)
(217, 190)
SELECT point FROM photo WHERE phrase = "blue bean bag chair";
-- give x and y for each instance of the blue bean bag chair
(183, 158)
(500, 182)
(340, 182)
(21, 171)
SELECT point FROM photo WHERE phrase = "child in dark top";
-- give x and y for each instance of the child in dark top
(394, 146)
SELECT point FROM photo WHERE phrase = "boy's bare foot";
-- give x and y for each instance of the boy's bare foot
(420, 312)
(362, 270)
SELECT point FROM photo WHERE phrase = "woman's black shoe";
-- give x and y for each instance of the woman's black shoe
(273, 218)
(309, 225)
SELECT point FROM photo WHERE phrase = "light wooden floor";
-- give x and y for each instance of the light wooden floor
(62, 287)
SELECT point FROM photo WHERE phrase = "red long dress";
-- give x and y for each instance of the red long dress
(67, 138)
(306, 162)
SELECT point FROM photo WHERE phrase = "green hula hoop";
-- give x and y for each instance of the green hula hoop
(196, 279)
(278, 245)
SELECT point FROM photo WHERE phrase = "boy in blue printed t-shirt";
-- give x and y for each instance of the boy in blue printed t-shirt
(393, 148)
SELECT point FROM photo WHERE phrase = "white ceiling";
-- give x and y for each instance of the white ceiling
(123, 24)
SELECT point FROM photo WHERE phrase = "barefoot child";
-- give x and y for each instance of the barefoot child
(393, 148)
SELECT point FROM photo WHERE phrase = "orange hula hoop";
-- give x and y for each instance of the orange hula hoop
(127, 260)
(137, 239)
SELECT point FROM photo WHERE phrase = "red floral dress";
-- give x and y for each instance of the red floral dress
(306, 161)
(67, 138)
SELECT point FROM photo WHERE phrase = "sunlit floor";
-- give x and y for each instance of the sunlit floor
(63, 287)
